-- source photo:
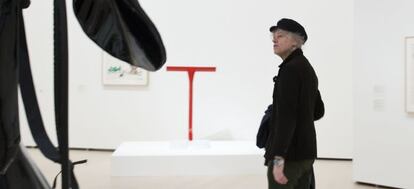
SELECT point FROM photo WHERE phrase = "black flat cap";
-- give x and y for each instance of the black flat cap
(291, 26)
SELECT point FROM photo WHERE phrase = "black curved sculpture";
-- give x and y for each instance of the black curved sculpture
(120, 27)
(10, 12)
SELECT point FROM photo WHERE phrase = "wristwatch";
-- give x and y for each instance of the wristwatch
(278, 161)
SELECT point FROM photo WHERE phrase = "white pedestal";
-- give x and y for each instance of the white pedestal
(187, 158)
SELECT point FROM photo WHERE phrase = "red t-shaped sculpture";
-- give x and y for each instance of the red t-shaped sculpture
(191, 71)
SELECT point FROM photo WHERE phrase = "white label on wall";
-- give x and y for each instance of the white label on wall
(409, 48)
(378, 103)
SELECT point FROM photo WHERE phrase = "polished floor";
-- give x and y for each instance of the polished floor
(330, 174)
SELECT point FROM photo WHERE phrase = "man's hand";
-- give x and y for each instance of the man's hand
(279, 175)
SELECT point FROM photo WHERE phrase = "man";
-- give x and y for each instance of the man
(291, 146)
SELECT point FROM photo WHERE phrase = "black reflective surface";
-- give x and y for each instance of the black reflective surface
(122, 28)
(23, 174)
(9, 118)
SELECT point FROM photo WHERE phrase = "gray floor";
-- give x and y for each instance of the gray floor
(95, 174)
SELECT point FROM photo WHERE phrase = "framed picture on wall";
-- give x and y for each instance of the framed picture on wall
(117, 72)
(409, 68)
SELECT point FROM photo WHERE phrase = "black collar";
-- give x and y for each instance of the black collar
(295, 53)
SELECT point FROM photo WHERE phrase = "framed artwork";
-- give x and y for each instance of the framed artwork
(117, 72)
(409, 68)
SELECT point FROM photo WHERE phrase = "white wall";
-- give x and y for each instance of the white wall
(383, 130)
(231, 35)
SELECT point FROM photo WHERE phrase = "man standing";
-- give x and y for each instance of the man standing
(291, 146)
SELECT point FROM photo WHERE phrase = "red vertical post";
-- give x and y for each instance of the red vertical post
(191, 72)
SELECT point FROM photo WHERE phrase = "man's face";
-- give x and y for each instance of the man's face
(283, 43)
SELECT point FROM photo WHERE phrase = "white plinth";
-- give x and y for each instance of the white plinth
(187, 158)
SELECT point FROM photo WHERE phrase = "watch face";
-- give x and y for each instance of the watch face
(278, 162)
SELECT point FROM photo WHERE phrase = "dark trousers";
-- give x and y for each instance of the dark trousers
(299, 175)
(3, 183)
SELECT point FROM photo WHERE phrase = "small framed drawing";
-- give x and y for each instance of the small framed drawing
(409, 75)
(117, 72)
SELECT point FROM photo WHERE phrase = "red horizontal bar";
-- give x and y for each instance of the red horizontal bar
(190, 68)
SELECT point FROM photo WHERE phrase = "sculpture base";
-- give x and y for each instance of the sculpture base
(187, 158)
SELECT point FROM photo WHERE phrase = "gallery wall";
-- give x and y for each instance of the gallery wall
(230, 35)
(383, 129)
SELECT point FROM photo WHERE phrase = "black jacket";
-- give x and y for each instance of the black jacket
(296, 104)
